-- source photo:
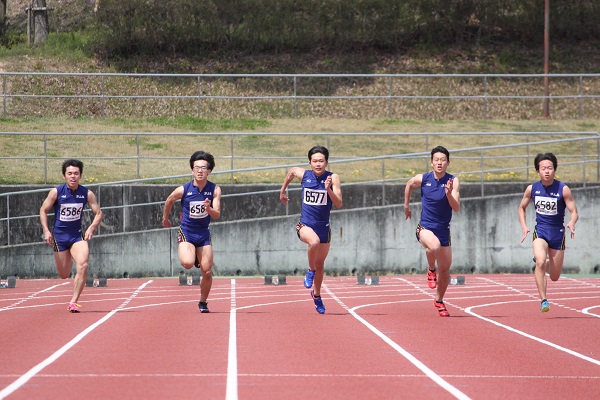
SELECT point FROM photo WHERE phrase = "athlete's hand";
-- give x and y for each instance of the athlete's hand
(207, 204)
(284, 198)
(572, 229)
(525, 232)
(48, 238)
(89, 233)
(328, 182)
(449, 186)
(166, 223)
(407, 213)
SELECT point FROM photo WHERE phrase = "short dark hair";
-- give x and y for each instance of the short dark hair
(440, 149)
(546, 156)
(72, 163)
(318, 149)
(201, 155)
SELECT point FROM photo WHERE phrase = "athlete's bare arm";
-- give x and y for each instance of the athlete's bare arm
(294, 172)
(173, 197)
(93, 203)
(522, 207)
(44, 209)
(412, 183)
(333, 185)
(214, 209)
(453, 193)
(570, 203)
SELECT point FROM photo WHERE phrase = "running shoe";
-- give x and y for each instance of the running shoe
(203, 306)
(431, 278)
(441, 307)
(309, 278)
(545, 307)
(73, 307)
(318, 302)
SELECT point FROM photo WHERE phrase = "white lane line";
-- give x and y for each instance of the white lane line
(31, 296)
(527, 335)
(231, 392)
(23, 379)
(586, 311)
(413, 360)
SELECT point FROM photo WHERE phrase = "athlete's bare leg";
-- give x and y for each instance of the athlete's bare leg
(187, 254)
(440, 255)
(80, 252)
(540, 252)
(322, 251)
(205, 255)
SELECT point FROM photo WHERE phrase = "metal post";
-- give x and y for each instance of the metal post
(482, 176)
(389, 97)
(527, 157)
(137, 144)
(583, 159)
(45, 159)
(8, 219)
(383, 181)
(426, 149)
(231, 153)
(4, 92)
(295, 99)
(546, 58)
(199, 95)
(485, 99)
(580, 97)
(102, 87)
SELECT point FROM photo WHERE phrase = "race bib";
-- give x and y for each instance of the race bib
(197, 210)
(546, 205)
(315, 197)
(71, 212)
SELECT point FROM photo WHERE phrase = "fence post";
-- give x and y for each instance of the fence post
(583, 159)
(102, 86)
(137, 144)
(580, 97)
(482, 173)
(8, 219)
(4, 92)
(199, 95)
(45, 159)
(389, 97)
(485, 99)
(383, 181)
(295, 99)
(231, 152)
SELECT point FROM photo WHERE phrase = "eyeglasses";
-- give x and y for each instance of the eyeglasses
(200, 168)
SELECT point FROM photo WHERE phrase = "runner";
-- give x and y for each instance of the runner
(440, 195)
(200, 201)
(68, 201)
(320, 189)
(550, 197)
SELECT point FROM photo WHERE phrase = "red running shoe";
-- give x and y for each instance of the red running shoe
(441, 307)
(73, 307)
(431, 278)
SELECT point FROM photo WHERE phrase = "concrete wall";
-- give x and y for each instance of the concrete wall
(485, 237)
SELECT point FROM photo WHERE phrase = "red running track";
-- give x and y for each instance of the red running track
(145, 338)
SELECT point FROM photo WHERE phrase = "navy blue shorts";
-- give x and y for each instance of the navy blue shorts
(198, 239)
(64, 240)
(553, 235)
(443, 235)
(322, 231)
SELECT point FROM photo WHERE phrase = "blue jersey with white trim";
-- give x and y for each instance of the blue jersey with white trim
(436, 211)
(68, 208)
(316, 203)
(549, 203)
(193, 212)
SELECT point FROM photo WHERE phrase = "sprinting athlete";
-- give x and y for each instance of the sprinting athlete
(550, 197)
(320, 190)
(440, 195)
(200, 201)
(68, 201)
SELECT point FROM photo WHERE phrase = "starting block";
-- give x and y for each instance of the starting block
(96, 282)
(371, 280)
(275, 280)
(8, 283)
(459, 280)
(189, 280)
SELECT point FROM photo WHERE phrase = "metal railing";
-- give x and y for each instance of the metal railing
(392, 96)
(587, 164)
